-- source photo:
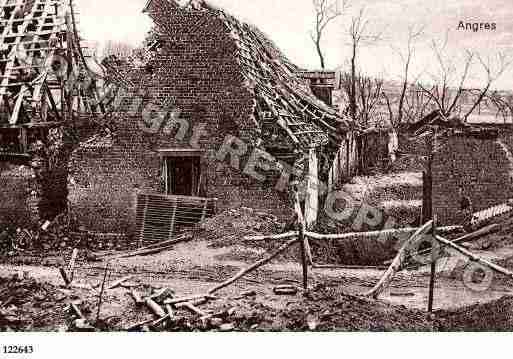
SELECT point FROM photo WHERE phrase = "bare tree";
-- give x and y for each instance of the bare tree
(416, 104)
(326, 11)
(501, 64)
(503, 105)
(398, 114)
(448, 97)
(366, 94)
(443, 93)
(359, 36)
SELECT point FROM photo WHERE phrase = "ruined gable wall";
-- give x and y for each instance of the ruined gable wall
(198, 75)
(483, 167)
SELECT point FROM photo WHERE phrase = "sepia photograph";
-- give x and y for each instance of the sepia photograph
(229, 166)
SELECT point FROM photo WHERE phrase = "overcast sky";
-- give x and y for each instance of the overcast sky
(288, 22)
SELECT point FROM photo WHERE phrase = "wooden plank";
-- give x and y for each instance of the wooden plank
(398, 262)
(173, 220)
(141, 235)
(17, 107)
(204, 214)
(495, 267)
(254, 266)
(384, 233)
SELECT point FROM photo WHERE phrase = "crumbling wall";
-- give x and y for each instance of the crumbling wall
(197, 80)
(36, 190)
(18, 199)
(482, 166)
(105, 175)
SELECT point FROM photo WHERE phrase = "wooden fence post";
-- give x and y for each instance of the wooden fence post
(303, 241)
(429, 214)
(434, 255)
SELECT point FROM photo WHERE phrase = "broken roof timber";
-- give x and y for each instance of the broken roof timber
(274, 79)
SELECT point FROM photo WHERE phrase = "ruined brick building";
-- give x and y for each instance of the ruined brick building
(235, 116)
(480, 164)
(217, 116)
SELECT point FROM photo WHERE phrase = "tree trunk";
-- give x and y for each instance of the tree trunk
(319, 52)
(352, 95)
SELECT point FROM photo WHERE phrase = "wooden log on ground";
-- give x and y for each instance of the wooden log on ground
(77, 311)
(287, 235)
(139, 325)
(64, 276)
(340, 266)
(192, 306)
(176, 301)
(153, 249)
(145, 252)
(495, 267)
(254, 266)
(119, 282)
(176, 240)
(196, 302)
(72, 262)
(137, 298)
(170, 312)
(155, 308)
(398, 262)
(159, 321)
(285, 290)
(194, 309)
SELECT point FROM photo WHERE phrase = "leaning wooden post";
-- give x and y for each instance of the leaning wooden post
(251, 268)
(429, 211)
(434, 255)
(302, 240)
(398, 262)
(302, 243)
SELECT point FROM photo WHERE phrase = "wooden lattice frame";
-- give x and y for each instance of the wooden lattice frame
(30, 93)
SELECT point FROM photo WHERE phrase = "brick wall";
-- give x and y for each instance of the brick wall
(18, 199)
(103, 181)
(483, 167)
(198, 74)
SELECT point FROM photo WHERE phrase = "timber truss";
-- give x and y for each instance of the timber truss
(43, 71)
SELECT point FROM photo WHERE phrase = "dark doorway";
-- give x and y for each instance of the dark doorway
(183, 175)
(181, 172)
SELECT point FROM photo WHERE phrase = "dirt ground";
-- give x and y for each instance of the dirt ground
(41, 302)
(33, 296)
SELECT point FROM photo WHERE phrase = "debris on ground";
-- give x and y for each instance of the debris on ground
(323, 309)
(27, 305)
(495, 316)
(56, 236)
(230, 227)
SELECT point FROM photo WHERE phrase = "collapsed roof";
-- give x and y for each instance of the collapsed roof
(282, 97)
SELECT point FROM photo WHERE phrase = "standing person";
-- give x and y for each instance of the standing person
(465, 207)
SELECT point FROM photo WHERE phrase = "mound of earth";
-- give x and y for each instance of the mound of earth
(27, 305)
(231, 226)
(327, 309)
(493, 316)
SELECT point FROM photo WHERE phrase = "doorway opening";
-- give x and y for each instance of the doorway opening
(181, 172)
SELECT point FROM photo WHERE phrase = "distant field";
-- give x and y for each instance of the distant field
(489, 118)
